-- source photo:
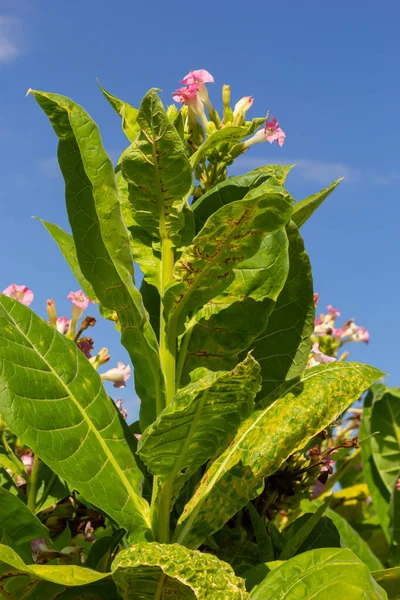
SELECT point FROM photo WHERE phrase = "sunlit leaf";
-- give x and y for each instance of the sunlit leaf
(303, 210)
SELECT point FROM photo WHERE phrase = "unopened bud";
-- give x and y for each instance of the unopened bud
(241, 107)
(226, 100)
(51, 311)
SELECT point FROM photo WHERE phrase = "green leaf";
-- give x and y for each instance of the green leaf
(139, 568)
(227, 135)
(303, 210)
(158, 172)
(377, 488)
(236, 188)
(53, 399)
(199, 422)
(101, 552)
(230, 235)
(19, 524)
(264, 541)
(227, 325)
(385, 419)
(283, 348)
(264, 442)
(50, 488)
(298, 532)
(65, 575)
(349, 536)
(256, 574)
(394, 515)
(389, 579)
(320, 574)
(101, 239)
(127, 113)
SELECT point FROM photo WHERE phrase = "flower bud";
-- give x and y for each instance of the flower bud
(51, 311)
(241, 107)
(226, 100)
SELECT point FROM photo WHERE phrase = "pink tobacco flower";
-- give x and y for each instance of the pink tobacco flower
(316, 299)
(186, 95)
(273, 133)
(355, 333)
(333, 311)
(62, 324)
(79, 299)
(198, 76)
(19, 292)
(123, 412)
(243, 105)
(327, 466)
(119, 375)
(338, 333)
(86, 345)
(27, 459)
(318, 358)
(88, 532)
(362, 335)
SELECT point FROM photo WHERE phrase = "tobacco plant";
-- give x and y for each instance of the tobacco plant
(203, 496)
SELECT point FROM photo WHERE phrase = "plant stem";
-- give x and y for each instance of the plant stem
(33, 484)
(167, 344)
(182, 354)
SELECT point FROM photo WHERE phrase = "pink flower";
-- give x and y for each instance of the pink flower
(186, 95)
(79, 299)
(273, 132)
(318, 358)
(355, 333)
(62, 324)
(198, 76)
(27, 459)
(19, 292)
(316, 299)
(119, 375)
(338, 333)
(86, 345)
(88, 532)
(327, 466)
(333, 311)
(123, 412)
(362, 335)
(398, 485)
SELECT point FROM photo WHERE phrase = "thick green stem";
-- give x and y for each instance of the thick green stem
(33, 484)
(167, 345)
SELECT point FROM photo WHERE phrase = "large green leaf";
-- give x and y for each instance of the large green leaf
(199, 422)
(394, 515)
(127, 113)
(378, 490)
(389, 579)
(283, 348)
(303, 210)
(320, 574)
(349, 536)
(158, 172)
(264, 442)
(19, 524)
(53, 399)
(300, 530)
(227, 325)
(230, 235)
(101, 239)
(138, 569)
(385, 419)
(236, 188)
(46, 582)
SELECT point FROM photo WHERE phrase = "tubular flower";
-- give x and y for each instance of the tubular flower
(240, 109)
(27, 459)
(333, 311)
(318, 358)
(79, 299)
(62, 324)
(19, 292)
(270, 133)
(199, 76)
(190, 95)
(123, 412)
(355, 333)
(119, 375)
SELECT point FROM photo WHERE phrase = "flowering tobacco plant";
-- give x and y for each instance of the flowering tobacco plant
(202, 496)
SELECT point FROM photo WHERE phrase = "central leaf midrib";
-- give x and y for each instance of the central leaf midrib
(89, 423)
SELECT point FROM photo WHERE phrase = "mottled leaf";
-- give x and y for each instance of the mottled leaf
(53, 399)
(349, 536)
(385, 419)
(199, 422)
(101, 239)
(231, 235)
(283, 348)
(158, 172)
(127, 113)
(236, 188)
(137, 570)
(303, 210)
(19, 524)
(227, 325)
(265, 440)
(320, 574)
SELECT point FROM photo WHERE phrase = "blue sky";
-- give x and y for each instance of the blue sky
(327, 71)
